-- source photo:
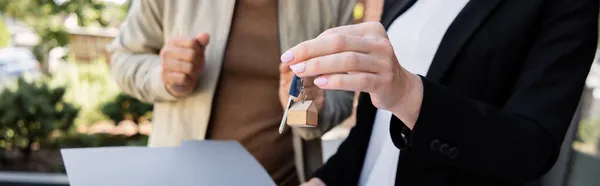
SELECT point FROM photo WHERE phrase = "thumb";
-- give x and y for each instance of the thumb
(285, 74)
(203, 38)
(284, 68)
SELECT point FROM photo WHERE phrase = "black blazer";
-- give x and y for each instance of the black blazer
(498, 97)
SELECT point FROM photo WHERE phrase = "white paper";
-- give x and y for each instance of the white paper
(194, 163)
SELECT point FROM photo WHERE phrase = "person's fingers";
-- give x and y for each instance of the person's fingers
(179, 90)
(369, 29)
(314, 92)
(363, 82)
(326, 45)
(183, 42)
(346, 30)
(182, 54)
(314, 182)
(285, 74)
(197, 45)
(174, 65)
(177, 78)
(283, 82)
(337, 63)
(284, 68)
(203, 39)
(308, 82)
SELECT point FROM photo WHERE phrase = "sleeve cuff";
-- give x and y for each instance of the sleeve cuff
(157, 85)
(423, 126)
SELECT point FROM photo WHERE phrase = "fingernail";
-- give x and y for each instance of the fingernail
(287, 56)
(320, 81)
(298, 68)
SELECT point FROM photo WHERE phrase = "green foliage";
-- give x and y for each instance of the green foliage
(589, 130)
(51, 37)
(47, 18)
(32, 112)
(89, 86)
(98, 140)
(125, 7)
(125, 107)
(87, 11)
(5, 37)
(116, 13)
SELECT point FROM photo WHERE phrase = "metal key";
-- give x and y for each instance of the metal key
(285, 113)
(296, 89)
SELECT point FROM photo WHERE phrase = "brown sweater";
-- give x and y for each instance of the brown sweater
(246, 106)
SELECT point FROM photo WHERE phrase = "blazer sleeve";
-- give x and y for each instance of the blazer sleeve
(345, 166)
(521, 140)
(135, 63)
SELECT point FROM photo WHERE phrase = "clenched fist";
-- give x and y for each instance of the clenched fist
(182, 61)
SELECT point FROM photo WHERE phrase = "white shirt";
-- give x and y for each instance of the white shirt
(415, 36)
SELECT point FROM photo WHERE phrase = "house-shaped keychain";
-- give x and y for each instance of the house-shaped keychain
(300, 113)
(303, 114)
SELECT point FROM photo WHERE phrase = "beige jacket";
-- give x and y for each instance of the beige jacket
(135, 64)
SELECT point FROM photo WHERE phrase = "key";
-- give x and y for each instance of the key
(302, 112)
(285, 113)
(295, 90)
(296, 86)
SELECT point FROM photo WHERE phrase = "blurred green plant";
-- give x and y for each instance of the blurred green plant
(95, 140)
(89, 86)
(123, 9)
(33, 113)
(47, 18)
(5, 37)
(125, 107)
(589, 132)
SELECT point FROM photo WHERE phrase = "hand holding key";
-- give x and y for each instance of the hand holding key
(182, 61)
(306, 109)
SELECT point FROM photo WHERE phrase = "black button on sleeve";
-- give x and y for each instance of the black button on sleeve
(444, 148)
(435, 145)
(453, 153)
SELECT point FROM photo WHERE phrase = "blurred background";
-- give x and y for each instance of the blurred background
(56, 92)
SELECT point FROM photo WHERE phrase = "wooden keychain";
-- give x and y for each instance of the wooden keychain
(299, 112)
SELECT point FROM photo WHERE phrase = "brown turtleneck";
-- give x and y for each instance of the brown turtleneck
(246, 106)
